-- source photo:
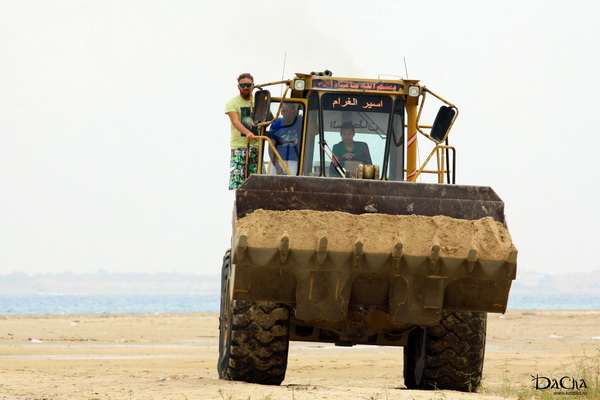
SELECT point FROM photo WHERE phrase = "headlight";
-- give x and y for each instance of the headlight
(299, 84)
(414, 91)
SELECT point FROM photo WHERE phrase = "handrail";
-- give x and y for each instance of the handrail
(275, 117)
(274, 148)
(441, 158)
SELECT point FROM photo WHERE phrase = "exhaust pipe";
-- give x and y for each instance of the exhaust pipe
(324, 73)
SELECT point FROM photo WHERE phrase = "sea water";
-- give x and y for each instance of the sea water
(106, 303)
(162, 303)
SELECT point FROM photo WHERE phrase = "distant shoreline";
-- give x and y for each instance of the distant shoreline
(102, 282)
(142, 303)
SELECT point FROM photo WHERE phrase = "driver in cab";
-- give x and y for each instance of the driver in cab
(348, 149)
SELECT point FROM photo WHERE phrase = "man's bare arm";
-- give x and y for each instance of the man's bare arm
(239, 126)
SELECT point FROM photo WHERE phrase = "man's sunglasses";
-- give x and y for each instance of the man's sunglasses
(245, 85)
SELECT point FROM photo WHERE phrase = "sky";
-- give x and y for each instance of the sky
(114, 144)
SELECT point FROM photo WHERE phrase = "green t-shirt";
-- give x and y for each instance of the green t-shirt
(360, 150)
(243, 109)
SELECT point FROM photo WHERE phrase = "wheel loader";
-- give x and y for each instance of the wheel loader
(386, 250)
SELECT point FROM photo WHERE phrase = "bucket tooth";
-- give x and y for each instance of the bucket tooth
(241, 246)
(357, 251)
(511, 262)
(284, 247)
(435, 253)
(322, 250)
(434, 257)
(358, 248)
(397, 255)
(472, 259)
(512, 257)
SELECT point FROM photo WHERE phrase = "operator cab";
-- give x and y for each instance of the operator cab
(378, 127)
(373, 112)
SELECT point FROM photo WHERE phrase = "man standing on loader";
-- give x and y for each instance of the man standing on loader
(244, 149)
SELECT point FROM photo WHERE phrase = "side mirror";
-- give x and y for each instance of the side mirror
(443, 121)
(262, 106)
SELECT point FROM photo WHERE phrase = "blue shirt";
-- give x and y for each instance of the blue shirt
(287, 138)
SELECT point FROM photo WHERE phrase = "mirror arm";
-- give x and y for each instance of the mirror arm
(262, 85)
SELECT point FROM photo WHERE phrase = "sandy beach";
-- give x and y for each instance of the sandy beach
(174, 356)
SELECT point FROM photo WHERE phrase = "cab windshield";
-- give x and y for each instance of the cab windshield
(355, 130)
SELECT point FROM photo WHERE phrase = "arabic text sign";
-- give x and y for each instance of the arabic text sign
(366, 103)
(339, 84)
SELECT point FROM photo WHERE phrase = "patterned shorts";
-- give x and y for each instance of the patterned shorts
(237, 171)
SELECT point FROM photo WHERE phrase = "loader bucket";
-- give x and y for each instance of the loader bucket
(358, 196)
(323, 245)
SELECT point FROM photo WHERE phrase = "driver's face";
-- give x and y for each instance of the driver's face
(347, 136)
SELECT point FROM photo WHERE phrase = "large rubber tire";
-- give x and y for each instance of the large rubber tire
(253, 337)
(448, 356)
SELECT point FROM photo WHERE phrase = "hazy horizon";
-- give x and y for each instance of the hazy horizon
(187, 283)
